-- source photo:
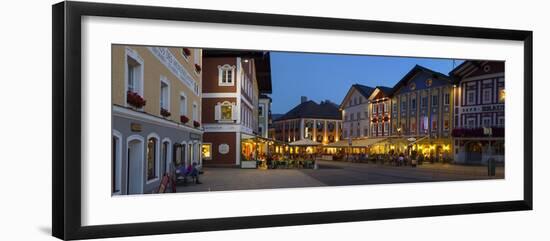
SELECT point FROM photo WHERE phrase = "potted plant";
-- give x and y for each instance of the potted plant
(184, 119)
(196, 124)
(198, 68)
(135, 100)
(164, 112)
(186, 52)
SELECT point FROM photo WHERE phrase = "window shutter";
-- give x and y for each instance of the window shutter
(218, 112)
(234, 113)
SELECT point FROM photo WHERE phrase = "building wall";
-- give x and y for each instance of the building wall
(480, 104)
(263, 118)
(379, 109)
(294, 129)
(217, 139)
(154, 65)
(356, 116)
(409, 114)
(153, 71)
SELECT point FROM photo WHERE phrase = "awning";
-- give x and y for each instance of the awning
(356, 143)
(369, 141)
(305, 142)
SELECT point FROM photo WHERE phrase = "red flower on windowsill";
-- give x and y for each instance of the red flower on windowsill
(196, 124)
(184, 119)
(134, 99)
(164, 112)
(198, 68)
(374, 120)
(386, 118)
(186, 51)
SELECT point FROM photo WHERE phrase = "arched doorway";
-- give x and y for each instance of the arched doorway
(473, 152)
(135, 165)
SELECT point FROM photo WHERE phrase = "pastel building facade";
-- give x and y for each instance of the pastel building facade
(320, 123)
(156, 114)
(422, 111)
(356, 121)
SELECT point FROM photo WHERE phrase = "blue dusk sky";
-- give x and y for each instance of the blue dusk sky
(329, 76)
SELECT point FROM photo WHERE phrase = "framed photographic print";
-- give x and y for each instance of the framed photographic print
(170, 120)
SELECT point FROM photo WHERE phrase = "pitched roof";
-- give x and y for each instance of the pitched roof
(386, 90)
(417, 68)
(363, 89)
(310, 109)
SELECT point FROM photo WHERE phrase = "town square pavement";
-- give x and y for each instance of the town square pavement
(333, 173)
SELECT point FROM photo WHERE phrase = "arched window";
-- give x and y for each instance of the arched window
(116, 163)
(226, 75)
(165, 154)
(152, 158)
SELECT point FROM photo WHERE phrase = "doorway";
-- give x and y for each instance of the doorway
(135, 166)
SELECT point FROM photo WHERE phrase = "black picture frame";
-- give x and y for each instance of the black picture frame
(66, 183)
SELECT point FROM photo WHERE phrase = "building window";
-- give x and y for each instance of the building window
(116, 163)
(471, 122)
(424, 101)
(152, 161)
(446, 124)
(226, 75)
(486, 121)
(225, 111)
(413, 104)
(501, 95)
(261, 110)
(352, 116)
(206, 151)
(501, 121)
(165, 152)
(386, 127)
(183, 105)
(434, 125)
(374, 108)
(379, 128)
(447, 99)
(471, 97)
(195, 111)
(435, 100)
(134, 75)
(164, 94)
(487, 96)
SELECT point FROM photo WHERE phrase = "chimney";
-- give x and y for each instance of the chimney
(303, 99)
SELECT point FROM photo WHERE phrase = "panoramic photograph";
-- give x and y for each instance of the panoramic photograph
(199, 120)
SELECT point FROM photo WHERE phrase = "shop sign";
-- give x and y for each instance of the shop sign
(194, 136)
(135, 127)
(223, 148)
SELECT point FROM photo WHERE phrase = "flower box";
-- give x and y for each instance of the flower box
(196, 124)
(184, 119)
(164, 112)
(186, 52)
(135, 100)
(198, 68)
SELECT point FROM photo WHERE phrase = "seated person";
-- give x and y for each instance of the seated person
(193, 172)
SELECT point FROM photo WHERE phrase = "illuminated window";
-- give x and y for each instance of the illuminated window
(226, 112)
(206, 151)
(501, 95)
(152, 158)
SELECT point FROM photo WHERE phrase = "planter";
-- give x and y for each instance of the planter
(186, 52)
(165, 112)
(198, 68)
(184, 119)
(135, 100)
